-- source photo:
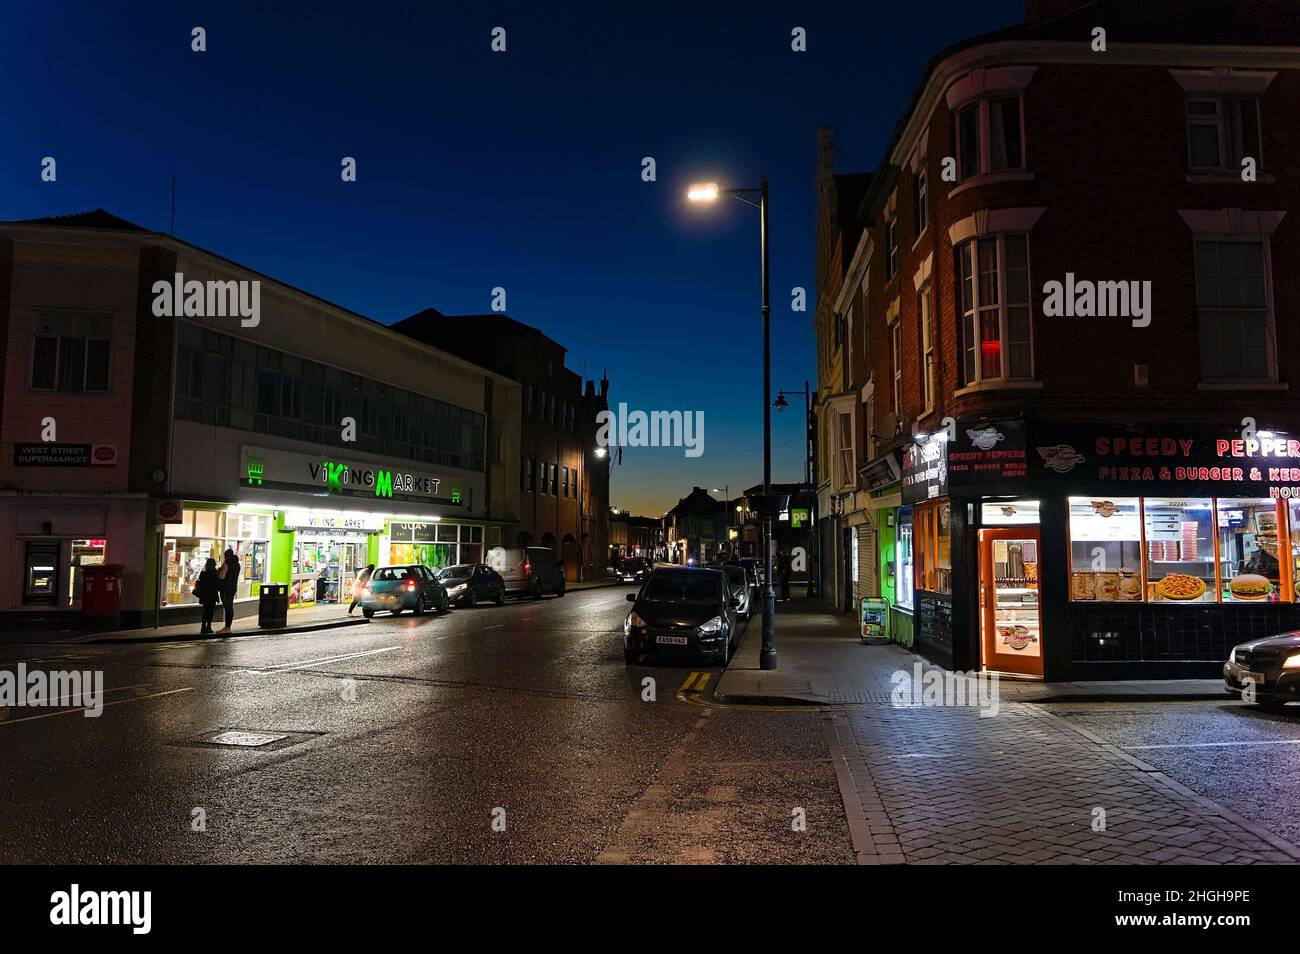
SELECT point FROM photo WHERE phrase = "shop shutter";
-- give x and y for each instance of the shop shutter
(868, 563)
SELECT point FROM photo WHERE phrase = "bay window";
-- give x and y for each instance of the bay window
(989, 136)
(996, 328)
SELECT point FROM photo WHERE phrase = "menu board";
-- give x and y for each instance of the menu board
(934, 621)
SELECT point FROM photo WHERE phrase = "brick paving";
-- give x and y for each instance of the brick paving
(946, 786)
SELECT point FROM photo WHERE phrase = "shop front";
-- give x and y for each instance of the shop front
(1094, 551)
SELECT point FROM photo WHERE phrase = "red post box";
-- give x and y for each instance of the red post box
(101, 595)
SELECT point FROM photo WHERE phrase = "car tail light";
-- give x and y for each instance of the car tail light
(365, 591)
(410, 584)
(528, 568)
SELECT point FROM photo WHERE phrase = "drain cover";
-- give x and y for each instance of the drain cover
(249, 739)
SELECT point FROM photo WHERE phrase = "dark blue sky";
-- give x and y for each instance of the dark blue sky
(477, 169)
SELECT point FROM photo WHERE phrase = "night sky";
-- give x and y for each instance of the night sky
(479, 169)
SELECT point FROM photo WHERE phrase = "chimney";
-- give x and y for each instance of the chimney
(1036, 10)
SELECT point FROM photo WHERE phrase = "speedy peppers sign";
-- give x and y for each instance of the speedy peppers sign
(1182, 461)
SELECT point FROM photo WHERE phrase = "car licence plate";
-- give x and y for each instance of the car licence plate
(672, 640)
(1245, 677)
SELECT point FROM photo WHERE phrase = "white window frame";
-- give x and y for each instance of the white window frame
(925, 314)
(984, 143)
(921, 188)
(1230, 153)
(970, 336)
(892, 253)
(896, 360)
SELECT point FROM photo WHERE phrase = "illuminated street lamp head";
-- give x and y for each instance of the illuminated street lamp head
(600, 452)
(702, 192)
(780, 403)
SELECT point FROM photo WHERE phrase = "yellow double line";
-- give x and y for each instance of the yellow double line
(695, 682)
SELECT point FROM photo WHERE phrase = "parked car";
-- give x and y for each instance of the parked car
(634, 570)
(528, 571)
(469, 583)
(1272, 664)
(755, 567)
(682, 611)
(396, 588)
(743, 586)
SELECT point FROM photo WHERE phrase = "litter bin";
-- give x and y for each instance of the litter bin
(101, 595)
(273, 606)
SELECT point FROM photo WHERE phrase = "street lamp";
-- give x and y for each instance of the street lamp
(709, 192)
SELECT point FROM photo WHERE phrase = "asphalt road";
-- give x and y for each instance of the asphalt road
(413, 740)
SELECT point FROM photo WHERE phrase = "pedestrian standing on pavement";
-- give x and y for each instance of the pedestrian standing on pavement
(783, 563)
(359, 587)
(228, 578)
(206, 592)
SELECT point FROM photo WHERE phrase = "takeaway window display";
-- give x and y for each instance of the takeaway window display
(1181, 550)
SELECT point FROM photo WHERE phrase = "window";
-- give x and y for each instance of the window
(555, 480)
(552, 410)
(891, 248)
(70, 363)
(989, 136)
(846, 475)
(542, 405)
(840, 324)
(1183, 550)
(996, 334)
(1232, 310)
(904, 582)
(924, 311)
(1222, 132)
(566, 482)
(527, 479)
(528, 400)
(921, 192)
(896, 361)
(1105, 549)
(932, 539)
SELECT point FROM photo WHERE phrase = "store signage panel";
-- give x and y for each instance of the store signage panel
(1191, 461)
(323, 520)
(882, 472)
(266, 469)
(925, 470)
(987, 459)
(413, 532)
(65, 455)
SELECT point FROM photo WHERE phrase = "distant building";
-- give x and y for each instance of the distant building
(563, 481)
(696, 530)
(631, 536)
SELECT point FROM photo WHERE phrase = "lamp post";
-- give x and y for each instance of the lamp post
(709, 192)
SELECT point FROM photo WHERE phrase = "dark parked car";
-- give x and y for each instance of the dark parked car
(1272, 664)
(755, 568)
(468, 584)
(634, 570)
(528, 571)
(397, 588)
(682, 611)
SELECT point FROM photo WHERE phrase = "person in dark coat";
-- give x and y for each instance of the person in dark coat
(228, 578)
(206, 591)
(783, 574)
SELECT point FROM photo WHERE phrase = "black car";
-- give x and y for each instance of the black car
(1271, 665)
(634, 570)
(682, 611)
(743, 587)
(468, 584)
(396, 588)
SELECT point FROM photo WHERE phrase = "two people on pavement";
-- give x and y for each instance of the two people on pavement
(216, 582)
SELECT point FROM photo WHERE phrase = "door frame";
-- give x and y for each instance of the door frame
(990, 658)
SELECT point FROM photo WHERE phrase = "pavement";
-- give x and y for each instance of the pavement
(304, 619)
(822, 660)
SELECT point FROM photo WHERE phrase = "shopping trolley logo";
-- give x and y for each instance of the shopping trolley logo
(1060, 458)
(985, 438)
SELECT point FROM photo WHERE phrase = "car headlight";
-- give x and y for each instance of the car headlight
(712, 626)
(456, 590)
(632, 622)
(1232, 656)
(1292, 661)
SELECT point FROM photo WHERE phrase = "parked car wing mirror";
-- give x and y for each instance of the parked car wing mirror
(631, 597)
(734, 601)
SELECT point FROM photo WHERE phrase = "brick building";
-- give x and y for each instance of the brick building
(1028, 448)
(563, 480)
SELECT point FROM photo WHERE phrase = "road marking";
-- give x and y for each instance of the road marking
(47, 715)
(288, 667)
(1211, 745)
(703, 681)
(686, 686)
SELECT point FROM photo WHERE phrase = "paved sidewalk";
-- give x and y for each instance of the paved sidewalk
(822, 660)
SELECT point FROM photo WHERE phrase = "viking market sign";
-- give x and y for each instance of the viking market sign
(1189, 460)
(263, 468)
